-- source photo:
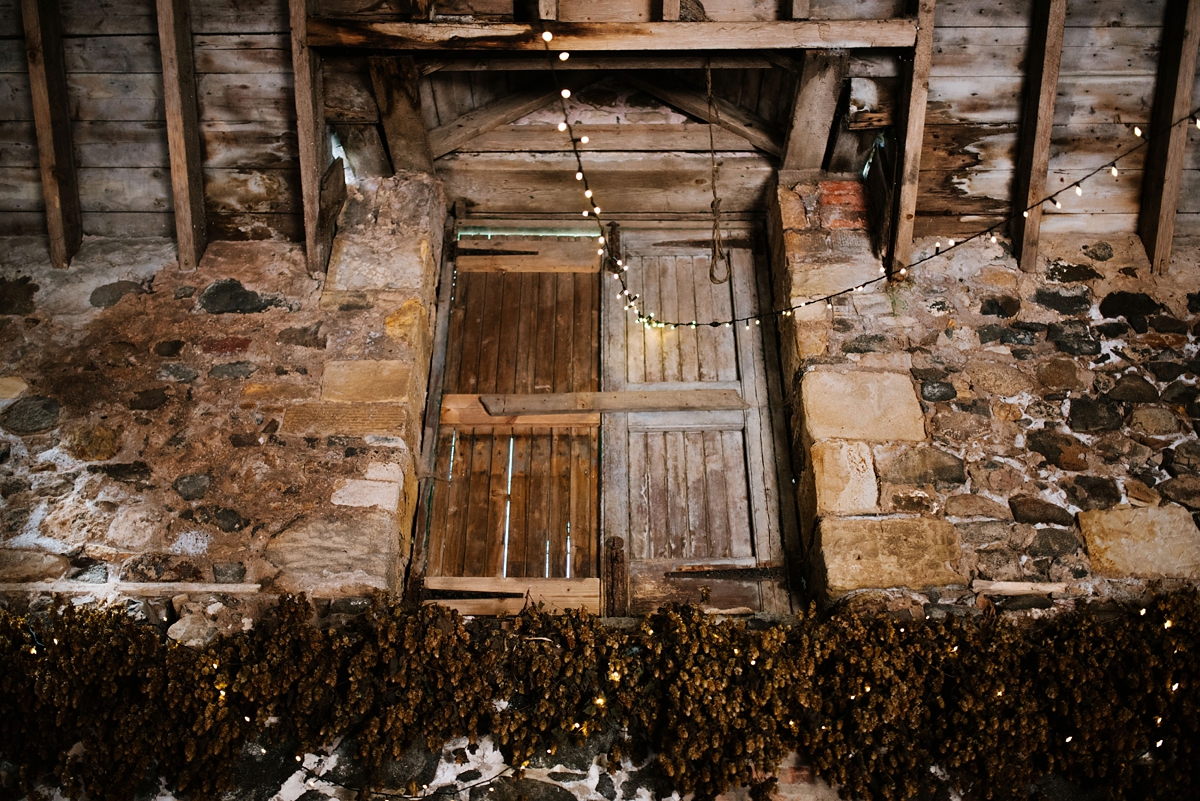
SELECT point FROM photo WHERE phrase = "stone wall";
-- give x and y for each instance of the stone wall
(241, 425)
(975, 424)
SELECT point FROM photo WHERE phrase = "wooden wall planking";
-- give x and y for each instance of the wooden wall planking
(21, 202)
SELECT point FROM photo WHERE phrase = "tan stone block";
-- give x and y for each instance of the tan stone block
(914, 553)
(409, 325)
(971, 505)
(811, 328)
(816, 280)
(791, 209)
(11, 386)
(1147, 542)
(276, 392)
(22, 566)
(366, 381)
(874, 407)
(351, 553)
(350, 419)
(845, 478)
(358, 492)
(999, 379)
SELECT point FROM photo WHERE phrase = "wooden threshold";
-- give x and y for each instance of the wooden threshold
(508, 596)
(660, 401)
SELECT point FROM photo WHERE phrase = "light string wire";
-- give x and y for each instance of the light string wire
(613, 263)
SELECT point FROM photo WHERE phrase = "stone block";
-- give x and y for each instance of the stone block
(334, 555)
(366, 381)
(357, 492)
(22, 566)
(845, 478)
(11, 386)
(999, 379)
(1148, 542)
(352, 420)
(874, 407)
(276, 392)
(791, 210)
(914, 553)
(385, 471)
(817, 279)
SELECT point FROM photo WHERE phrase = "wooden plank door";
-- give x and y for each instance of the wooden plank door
(694, 495)
(515, 500)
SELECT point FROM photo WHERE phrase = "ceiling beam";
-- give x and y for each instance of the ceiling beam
(818, 91)
(311, 139)
(394, 79)
(675, 93)
(584, 36)
(52, 123)
(183, 131)
(597, 61)
(670, 10)
(913, 134)
(1043, 58)
(457, 133)
(1163, 179)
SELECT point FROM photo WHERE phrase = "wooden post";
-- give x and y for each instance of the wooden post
(817, 94)
(670, 10)
(801, 9)
(422, 9)
(914, 131)
(311, 137)
(1163, 178)
(183, 130)
(52, 121)
(616, 578)
(394, 79)
(548, 9)
(1033, 156)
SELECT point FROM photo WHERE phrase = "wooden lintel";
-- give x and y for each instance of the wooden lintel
(817, 95)
(750, 127)
(527, 256)
(52, 123)
(395, 83)
(628, 401)
(1043, 58)
(467, 410)
(183, 131)
(909, 168)
(670, 10)
(311, 139)
(584, 36)
(599, 61)
(453, 135)
(1163, 178)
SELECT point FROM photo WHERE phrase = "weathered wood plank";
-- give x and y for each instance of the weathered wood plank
(909, 171)
(454, 135)
(52, 118)
(1082, 100)
(1033, 157)
(395, 83)
(242, 54)
(659, 137)
(243, 227)
(518, 519)
(262, 191)
(628, 401)
(513, 594)
(820, 88)
(242, 16)
(505, 62)
(349, 95)
(1164, 158)
(250, 145)
(364, 150)
(312, 141)
(582, 36)
(528, 255)
(1015, 14)
(183, 133)
(262, 98)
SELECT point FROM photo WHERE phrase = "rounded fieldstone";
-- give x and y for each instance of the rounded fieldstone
(233, 370)
(30, 415)
(192, 486)
(168, 349)
(922, 466)
(1000, 306)
(177, 372)
(1064, 302)
(1127, 304)
(148, 399)
(868, 343)
(971, 505)
(1028, 509)
(308, 336)
(1154, 421)
(990, 333)
(999, 379)
(1078, 346)
(1100, 251)
(1184, 489)
(16, 296)
(1166, 370)
(1092, 492)
(1054, 542)
(1063, 273)
(938, 391)
(184, 292)
(1112, 330)
(1186, 457)
(109, 295)
(1179, 393)
(1061, 450)
(1063, 374)
(1015, 336)
(1089, 414)
(228, 296)
(1166, 324)
(1132, 388)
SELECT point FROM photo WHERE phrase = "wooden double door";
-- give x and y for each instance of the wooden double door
(566, 424)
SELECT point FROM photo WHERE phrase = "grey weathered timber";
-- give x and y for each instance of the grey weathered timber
(395, 83)
(453, 135)
(819, 88)
(547, 9)
(1033, 157)
(670, 10)
(594, 61)
(582, 36)
(628, 401)
(1163, 179)
(52, 120)
(914, 132)
(183, 131)
(333, 197)
(752, 128)
(312, 142)
(801, 9)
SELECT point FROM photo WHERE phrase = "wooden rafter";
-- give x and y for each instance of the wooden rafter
(750, 127)
(311, 138)
(599, 61)
(1163, 178)
(1043, 58)
(585, 36)
(670, 10)
(913, 132)
(801, 9)
(817, 94)
(453, 135)
(52, 121)
(395, 82)
(183, 131)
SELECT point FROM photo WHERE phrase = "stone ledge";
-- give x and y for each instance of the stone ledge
(902, 552)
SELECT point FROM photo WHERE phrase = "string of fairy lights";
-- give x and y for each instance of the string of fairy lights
(618, 268)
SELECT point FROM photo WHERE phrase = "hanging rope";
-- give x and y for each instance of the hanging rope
(717, 253)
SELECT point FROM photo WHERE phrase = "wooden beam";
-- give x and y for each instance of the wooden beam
(422, 9)
(817, 95)
(670, 10)
(750, 127)
(629, 401)
(581, 36)
(333, 197)
(801, 9)
(527, 256)
(453, 135)
(661, 137)
(183, 130)
(1162, 181)
(548, 9)
(914, 132)
(597, 61)
(52, 122)
(395, 82)
(468, 410)
(311, 139)
(1043, 57)
(508, 596)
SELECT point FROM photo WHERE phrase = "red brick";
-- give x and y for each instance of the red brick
(842, 218)
(843, 193)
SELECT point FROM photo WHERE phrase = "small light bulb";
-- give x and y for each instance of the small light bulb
(729, 325)
(993, 239)
(1025, 214)
(563, 56)
(1069, 738)
(1137, 131)
(599, 251)
(937, 245)
(620, 263)
(904, 271)
(951, 243)
(1142, 613)
(596, 209)
(566, 93)
(547, 36)
(828, 305)
(562, 126)
(1167, 625)
(1174, 686)
(757, 321)
(1158, 744)
(1057, 203)
(584, 139)
(600, 239)
(621, 294)
(578, 176)
(585, 214)
(1114, 171)
(587, 193)
(1198, 122)
(1079, 191)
